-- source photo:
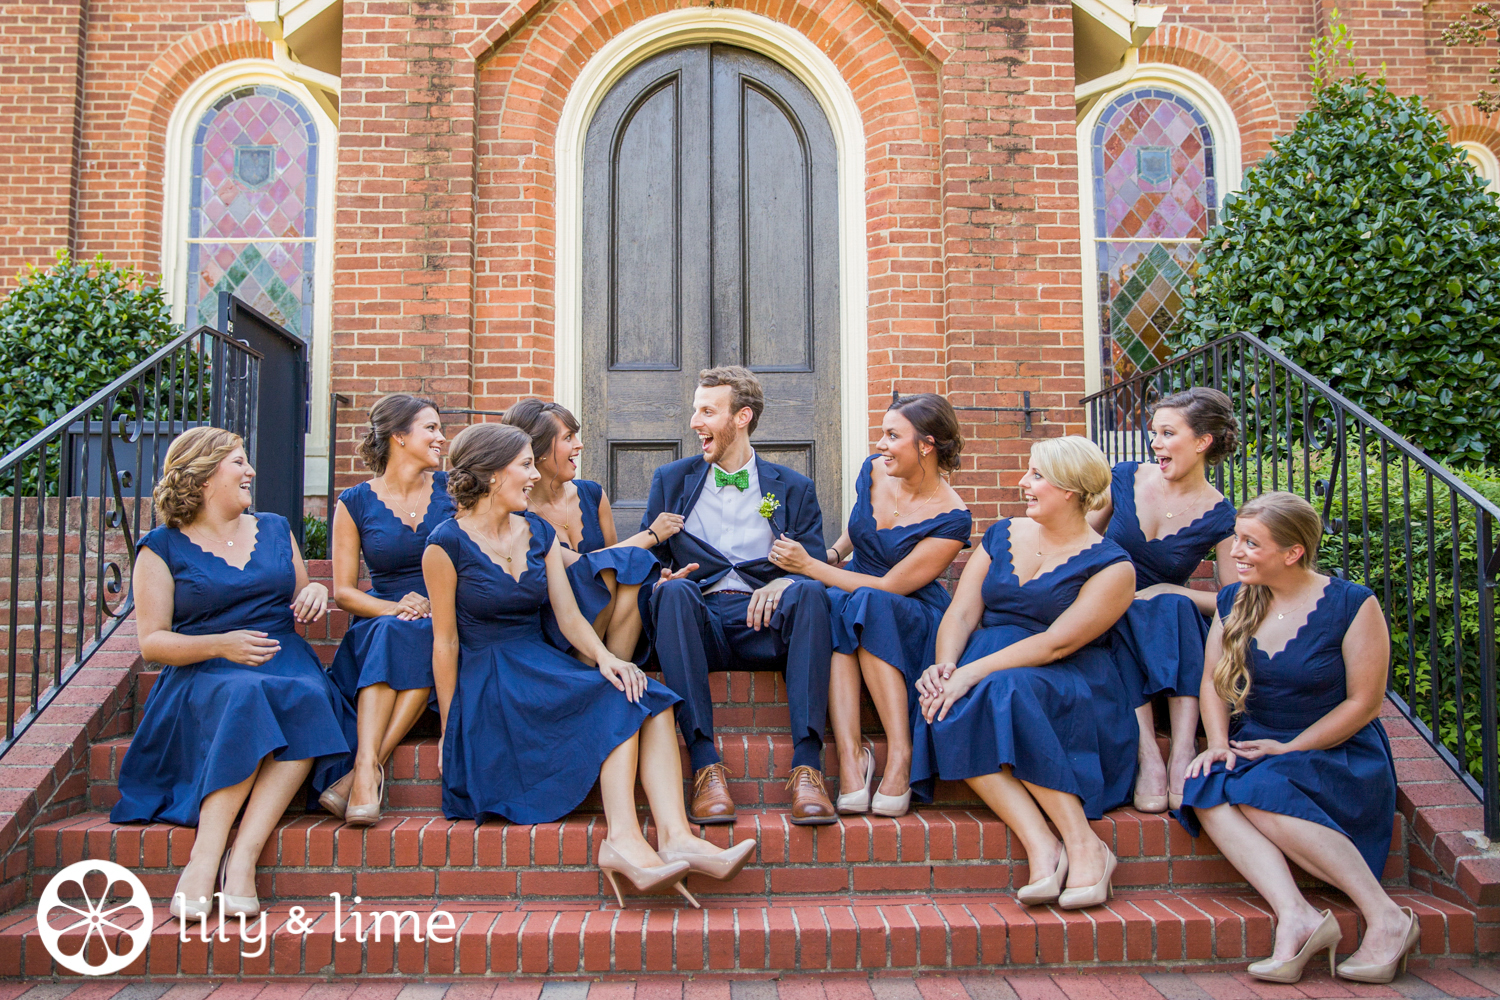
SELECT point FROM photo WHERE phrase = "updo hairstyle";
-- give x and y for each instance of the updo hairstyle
(1207, 411)
(391, 415)
(191, 461)
(1291, 520)
(1076, 464)
(478, 452)
(933, 419)
(543, 420)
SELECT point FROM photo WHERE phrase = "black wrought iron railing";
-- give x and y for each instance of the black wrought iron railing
(75, 498)
(1420, 535)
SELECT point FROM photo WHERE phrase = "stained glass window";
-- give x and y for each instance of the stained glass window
(252, 221)
(1155, 198)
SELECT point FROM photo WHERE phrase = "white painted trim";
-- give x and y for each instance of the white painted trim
(1228, 173)
(176, 196)
(804, 60)
(1485, 161)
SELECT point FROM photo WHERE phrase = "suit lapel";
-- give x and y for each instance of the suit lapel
(691, 487)
(771, 482)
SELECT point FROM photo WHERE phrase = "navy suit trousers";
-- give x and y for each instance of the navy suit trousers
(697, 633)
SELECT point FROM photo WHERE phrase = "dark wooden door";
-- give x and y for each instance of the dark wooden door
(710, 237)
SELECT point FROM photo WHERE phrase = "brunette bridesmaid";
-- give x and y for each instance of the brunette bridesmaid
(384, 664)
(906, 527)
(1169, 518)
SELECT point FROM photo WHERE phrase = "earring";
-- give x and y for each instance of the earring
(401, 442)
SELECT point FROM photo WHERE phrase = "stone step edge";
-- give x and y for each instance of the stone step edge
(915, 932)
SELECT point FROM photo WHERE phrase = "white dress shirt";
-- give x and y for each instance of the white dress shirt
(729, 519)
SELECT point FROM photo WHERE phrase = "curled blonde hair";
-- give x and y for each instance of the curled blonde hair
(1075, 464)
(191, 461)
(1291, 520)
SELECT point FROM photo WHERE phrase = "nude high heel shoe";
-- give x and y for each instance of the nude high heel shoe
(235, 906)
(1049, 888)
(1325, 937)
(1385, 973)
(859, 801)
(722, 866)
(613, 864)
(368, 815)
(1094, 895)
(333, 802)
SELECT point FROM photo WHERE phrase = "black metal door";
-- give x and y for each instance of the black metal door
(710, 237)
(278, 440)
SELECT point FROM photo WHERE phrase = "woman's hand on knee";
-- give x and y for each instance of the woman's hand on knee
(1256, 749)
(311, 603)
(1204, 762)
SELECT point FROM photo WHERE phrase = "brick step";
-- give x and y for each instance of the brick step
(1149, 929)
(422, 855)
(758, 764)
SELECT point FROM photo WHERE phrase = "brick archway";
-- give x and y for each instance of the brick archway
(1469, 124)
(522, 87)
(1230, 73)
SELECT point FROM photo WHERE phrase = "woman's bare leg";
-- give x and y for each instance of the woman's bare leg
(617, 785)
(216, 815)
(1184, 714)
(623, 627)
(275, 784)
(887, 687)
(661, 777)
(1087, 854)
(1008, 798)
(1264, 867)
(1151, 770)
(843, 718)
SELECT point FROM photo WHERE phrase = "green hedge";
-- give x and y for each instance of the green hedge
(1415, 622)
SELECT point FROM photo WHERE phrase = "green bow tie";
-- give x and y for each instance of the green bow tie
(741, 479)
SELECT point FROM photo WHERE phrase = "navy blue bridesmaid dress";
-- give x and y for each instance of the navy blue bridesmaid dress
(632, 566)
(207, 726)
(1160, 639)
(1350, 788)
(529, 726)
(386, 649)
(901, 630)
(1066, 726)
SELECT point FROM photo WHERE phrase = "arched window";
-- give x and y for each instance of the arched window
(249, 190)
(1486, 164)
(1159, 162)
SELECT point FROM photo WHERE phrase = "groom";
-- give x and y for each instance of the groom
(737, 611)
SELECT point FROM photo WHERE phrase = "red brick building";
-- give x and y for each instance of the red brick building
(589, 199)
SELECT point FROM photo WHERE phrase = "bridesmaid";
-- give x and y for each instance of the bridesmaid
(527, 729)
(1297, 767)
(243, 711)
(906, 528)
(606, 574)
(384, 664)
(1168, 517)
(1024, 702)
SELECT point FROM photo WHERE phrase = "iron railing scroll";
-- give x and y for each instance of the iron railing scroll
(1394, 519)
(75, 499)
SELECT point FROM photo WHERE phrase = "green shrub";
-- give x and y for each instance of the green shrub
(66, 332)
(1421, 616)
(314, 537)
(1367, 250)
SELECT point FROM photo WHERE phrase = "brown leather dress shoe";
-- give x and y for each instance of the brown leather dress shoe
(810, 805)
(711, 801)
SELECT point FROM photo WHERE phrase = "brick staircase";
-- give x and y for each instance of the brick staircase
(932, 890)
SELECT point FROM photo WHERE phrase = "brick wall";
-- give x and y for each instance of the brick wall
(444, 277)
(40, 46)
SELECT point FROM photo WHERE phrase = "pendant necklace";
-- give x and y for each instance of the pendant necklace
(1193, 499)
(896, 504)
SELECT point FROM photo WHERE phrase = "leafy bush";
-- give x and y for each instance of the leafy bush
(1367, 250)
(314, 537)
(1390, 530)
(66, 332)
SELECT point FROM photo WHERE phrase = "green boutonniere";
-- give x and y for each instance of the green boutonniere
(769, 505)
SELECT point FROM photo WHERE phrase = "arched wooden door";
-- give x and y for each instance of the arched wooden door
(710, 237)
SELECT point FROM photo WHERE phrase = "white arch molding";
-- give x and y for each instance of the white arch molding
(809, 64)
(179, 173)
(1228, 175)
(1485, 161)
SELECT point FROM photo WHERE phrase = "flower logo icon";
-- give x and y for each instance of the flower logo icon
(102, 918)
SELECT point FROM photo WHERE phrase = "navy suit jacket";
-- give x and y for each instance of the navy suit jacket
(675, 488)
